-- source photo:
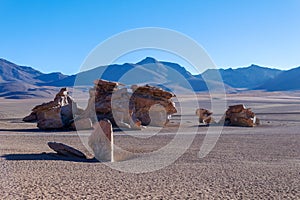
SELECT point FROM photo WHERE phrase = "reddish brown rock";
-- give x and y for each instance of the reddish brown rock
(239, 115)
(204, 116)
(54, 114)
(65, 150)
(30, 118)
(152, 105)
(129, 110)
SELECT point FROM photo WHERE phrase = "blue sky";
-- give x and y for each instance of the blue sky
(57, 35)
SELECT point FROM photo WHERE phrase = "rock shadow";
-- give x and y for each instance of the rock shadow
(46, 156)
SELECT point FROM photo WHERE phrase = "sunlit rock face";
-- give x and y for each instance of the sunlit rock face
(239, 115)
(101, 141)
(152, 105)
(55, 114)
(204, 116)
(129, 108)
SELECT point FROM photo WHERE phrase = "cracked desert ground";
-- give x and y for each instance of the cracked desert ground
(246, 163)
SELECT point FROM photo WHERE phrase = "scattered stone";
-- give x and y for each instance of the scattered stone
(205, 116)
(101, 141)
(65, 150)
(239, 115)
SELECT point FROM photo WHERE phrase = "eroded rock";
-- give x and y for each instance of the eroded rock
(152, 105)
(127, 109)
(55, 114)
(205, 116)
(239, 115)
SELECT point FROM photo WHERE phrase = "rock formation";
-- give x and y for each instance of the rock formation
(55, 114)
(205, 116)
(151, 105)
(146, 105)
(239, 115)
(65, 150)
(101, 141)
(140, 105)
(108, 102)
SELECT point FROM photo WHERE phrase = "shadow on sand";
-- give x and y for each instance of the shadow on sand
(46, 156)
(35, 130)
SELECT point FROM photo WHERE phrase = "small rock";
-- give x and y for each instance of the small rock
(65, 150)
(204, 116)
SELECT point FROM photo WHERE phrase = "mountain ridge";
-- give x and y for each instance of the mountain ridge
(24, 82)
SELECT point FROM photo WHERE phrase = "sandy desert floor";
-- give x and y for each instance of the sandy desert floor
(246, 163)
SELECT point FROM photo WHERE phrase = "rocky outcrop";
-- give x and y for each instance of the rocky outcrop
(239, 115)
(107, 101)
(151, 105)
(144, 105)
(123, 107)
(55, 114)
(205, 116)
(101, 141)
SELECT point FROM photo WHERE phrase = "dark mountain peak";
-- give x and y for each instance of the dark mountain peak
(3, 61)
(255, 66)
(147, 60)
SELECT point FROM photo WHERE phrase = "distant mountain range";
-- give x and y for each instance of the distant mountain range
(25, 82)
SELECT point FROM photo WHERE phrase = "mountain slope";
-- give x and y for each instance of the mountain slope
(287, 80)
(25, 82)
(249, 77)
(12, 72)
(148, 71)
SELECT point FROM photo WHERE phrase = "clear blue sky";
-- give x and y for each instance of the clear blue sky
(56, 35)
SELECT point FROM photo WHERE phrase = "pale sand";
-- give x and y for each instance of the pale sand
(246, 163)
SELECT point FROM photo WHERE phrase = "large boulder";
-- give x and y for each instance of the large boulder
(239, 115)
(101, 141)
(55, 114)
(140, 105)
(152, 105)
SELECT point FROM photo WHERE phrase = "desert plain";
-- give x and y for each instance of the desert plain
(262, 162)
